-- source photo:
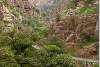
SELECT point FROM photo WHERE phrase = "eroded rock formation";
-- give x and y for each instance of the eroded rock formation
(70, 28)
(6, 18)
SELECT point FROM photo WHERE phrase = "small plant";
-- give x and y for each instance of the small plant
(88, 10)
(87, 39)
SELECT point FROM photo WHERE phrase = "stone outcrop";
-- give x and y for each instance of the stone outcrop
(6, 18)
(25, 6)
(70, 28)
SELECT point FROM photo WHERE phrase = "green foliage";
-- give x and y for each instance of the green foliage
(96, 65)
(49, 56)
(8, 62)
(5, 41)
(53, 50)
(62, 60)
(70, 51)
(7, 58)
(21, 42)
(35, 37)
(6, 51)
(89, 7)
(88, 10)
(22, 54)
(37, 25)
(87, 39)
(52, 41)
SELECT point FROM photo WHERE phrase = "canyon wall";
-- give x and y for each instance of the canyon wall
(70, 28)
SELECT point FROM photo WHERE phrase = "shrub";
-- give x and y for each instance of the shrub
(62, 60)
(20, 42)
(88, 10)
(7, 58)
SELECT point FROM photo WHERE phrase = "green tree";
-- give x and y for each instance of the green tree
(20, 42)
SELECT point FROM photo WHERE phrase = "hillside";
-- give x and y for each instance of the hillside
(49, 33)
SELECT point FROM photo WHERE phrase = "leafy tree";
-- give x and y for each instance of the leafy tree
(20, 42)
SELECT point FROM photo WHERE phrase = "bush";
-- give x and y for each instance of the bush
(7, 58)
(86, 37)
(88, 10)
(52, 41)
(48, 56)
(62, 60)
(5, 41)
(20, 42)
(53, 50)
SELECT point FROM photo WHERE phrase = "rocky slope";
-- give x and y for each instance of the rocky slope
(13, 11)
(73, 26)
(7, 18)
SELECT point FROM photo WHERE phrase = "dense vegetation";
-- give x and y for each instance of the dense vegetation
(19, 51)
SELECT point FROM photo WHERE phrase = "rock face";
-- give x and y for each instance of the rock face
(58, 6)
(70, 28)
(23, 5)
(50, 7)
(6, 18)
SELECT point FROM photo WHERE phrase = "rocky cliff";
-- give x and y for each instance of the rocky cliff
(12, 11)
(70, 28)
(7, 18)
